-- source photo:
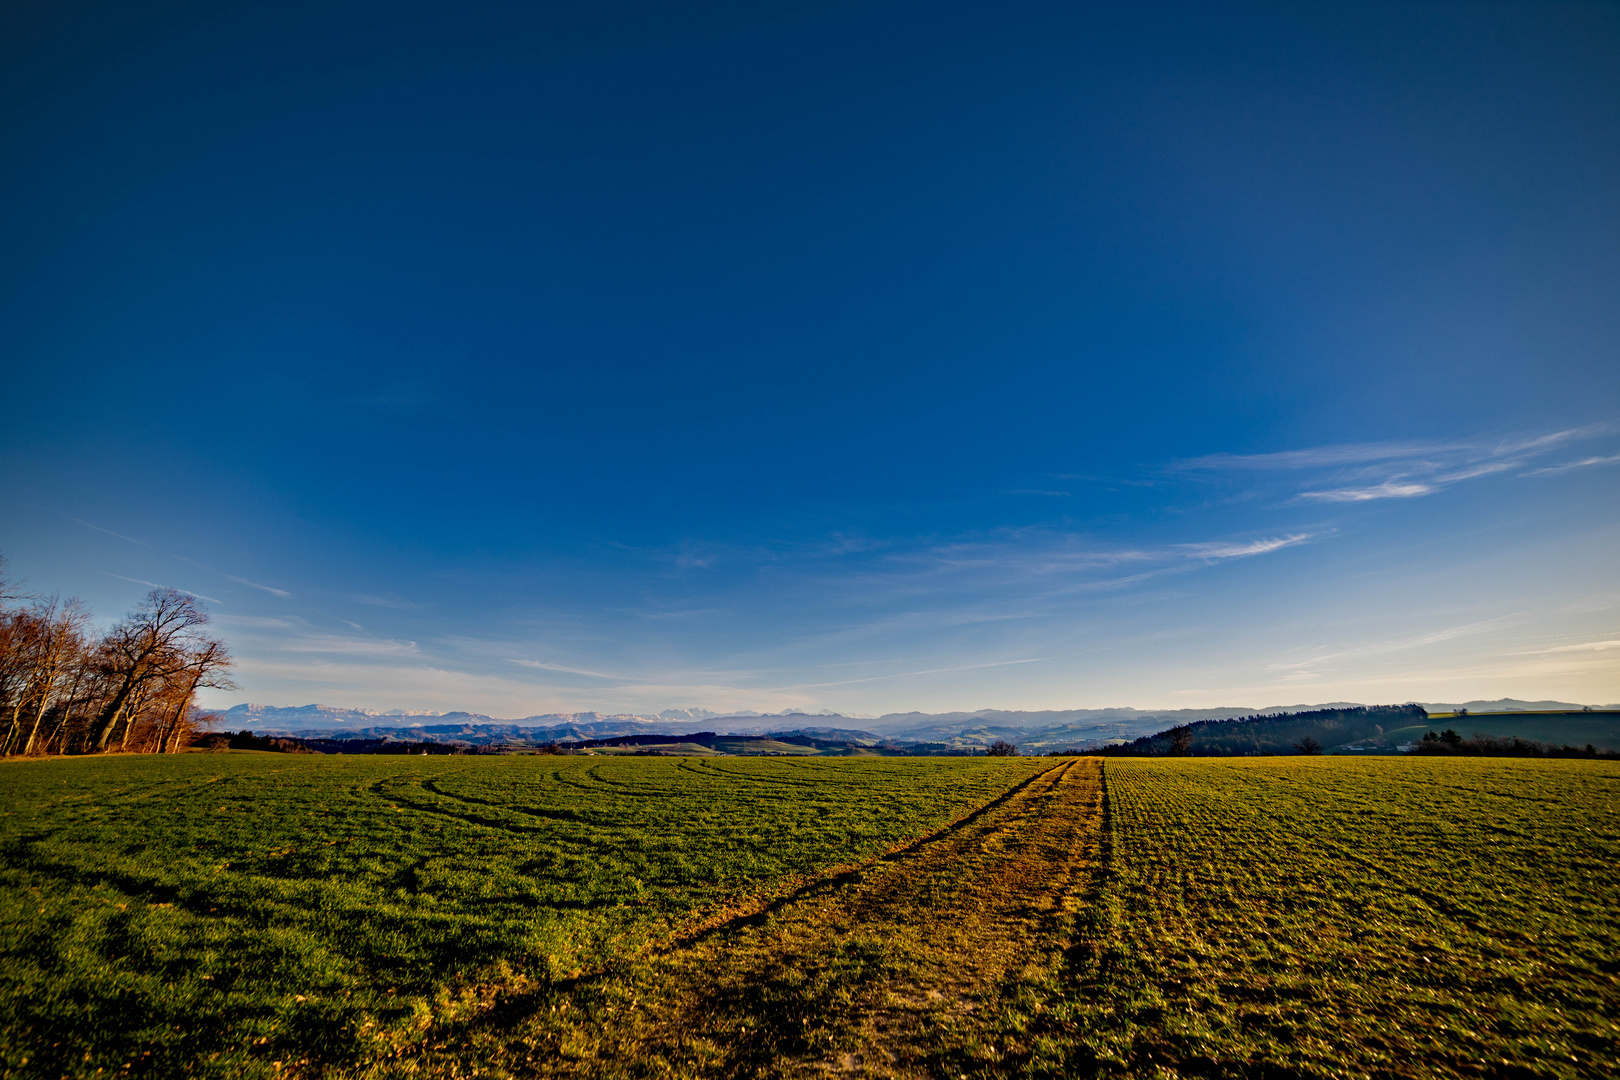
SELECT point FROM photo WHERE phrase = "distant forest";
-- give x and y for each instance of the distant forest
(1286, 733)
(67, 690)
(1450, 744)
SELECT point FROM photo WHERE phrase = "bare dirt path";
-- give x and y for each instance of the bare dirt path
(897, 970)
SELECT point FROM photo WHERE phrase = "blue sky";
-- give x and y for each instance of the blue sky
(862, 357)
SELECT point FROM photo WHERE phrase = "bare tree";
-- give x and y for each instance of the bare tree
(205, 667)
(16, 639)
(1181, 738)
(9, 589)
(161, 642)
(85, 686)
(63, 689)
(56, 642)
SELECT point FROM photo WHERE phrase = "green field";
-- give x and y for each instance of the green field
(721, 747)
(272, 915)
(160, 910)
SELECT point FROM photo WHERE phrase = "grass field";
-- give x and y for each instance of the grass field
(273, 915)
(223, 912)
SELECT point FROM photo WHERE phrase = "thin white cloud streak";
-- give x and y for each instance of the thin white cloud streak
(1326, 457)
(269, 635)
(336, 645)
(1590, 646)
(256, 585)
(185, 559)
(258, 622)
(1245, 550)
(542, 665)
(1390, 489)
(1037, 554)
(155, 585)
(1320, 457)
(1365, 472)
(121, 536)
(1538, 443)
(1613, 459)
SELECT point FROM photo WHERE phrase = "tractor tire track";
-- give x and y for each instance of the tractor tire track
(845, 876)
(891, 969)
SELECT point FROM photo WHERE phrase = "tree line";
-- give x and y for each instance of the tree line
(1449, 743)
(66, 689)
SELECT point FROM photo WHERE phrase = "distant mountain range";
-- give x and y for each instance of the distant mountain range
(1034, 731)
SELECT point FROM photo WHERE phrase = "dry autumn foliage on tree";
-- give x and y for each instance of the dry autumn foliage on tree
(65, 690)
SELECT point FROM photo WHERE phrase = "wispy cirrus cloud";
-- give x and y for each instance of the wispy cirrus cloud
(1243, 550)
(257, 622)
(155, 585)
(345, 645)
(185, 559)
(1612, 459)
(255, 585)
(1366, 472)
(1389, 489)
(1320, 457)
(1586, 646)
(542, 665)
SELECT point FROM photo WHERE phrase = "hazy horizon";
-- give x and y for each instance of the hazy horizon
(697, 715)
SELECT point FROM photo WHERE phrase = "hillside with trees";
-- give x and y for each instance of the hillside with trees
(1287, 733)
(65, 689)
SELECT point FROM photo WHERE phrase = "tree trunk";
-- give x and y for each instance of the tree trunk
(108, 718)
(67, 713)
(172, 730)
(39, 717)
(132, 712)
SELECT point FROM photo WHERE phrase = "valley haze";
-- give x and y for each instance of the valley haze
(1081, 727)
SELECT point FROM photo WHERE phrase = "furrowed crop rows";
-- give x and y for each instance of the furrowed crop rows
(1369, 917)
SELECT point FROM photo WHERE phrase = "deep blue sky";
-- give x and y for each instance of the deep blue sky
(862, 357)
